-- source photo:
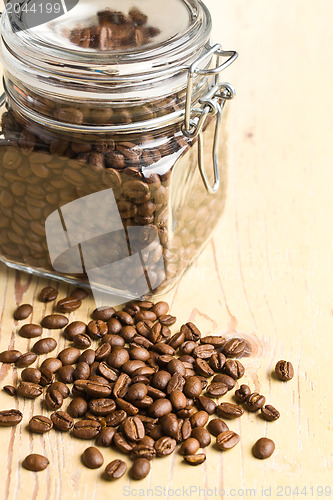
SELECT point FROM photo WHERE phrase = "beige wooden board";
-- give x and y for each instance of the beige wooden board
(267, 273)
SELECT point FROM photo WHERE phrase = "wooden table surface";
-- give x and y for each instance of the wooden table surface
(266, 274)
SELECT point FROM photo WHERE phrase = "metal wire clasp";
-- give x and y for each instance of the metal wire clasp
(210, 104)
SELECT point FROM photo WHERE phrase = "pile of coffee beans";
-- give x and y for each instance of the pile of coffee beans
(142, 390)
(115, 31)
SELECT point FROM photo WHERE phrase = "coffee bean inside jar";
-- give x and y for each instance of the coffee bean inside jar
(100, 174)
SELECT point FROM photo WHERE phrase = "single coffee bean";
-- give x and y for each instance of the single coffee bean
(88, 356)
(216, 426)
(29, 390)
(97, 389)
(86, 429)
(160, 407)
(53, 399)
(191, 331)
(122, 443)
(270, 413)
(69, 356)
(137, 392)
(225, 379)
(189, 447)
(284, 370)
(234, 368)
(130, 409)
(215, 340)
(114, 326)
(229, 410)
(234, 347)
(115, 469)
(23, 312)
(46, 377)
(65, 374)
(133, 429)
(217, 361)
(216, 389)
(79, 293)
(195, 459)
(161, 379)
(54, 321)
(26, 359)
(105, 437)
(202, 368)
(10, 390)
(263, 448)
(35, 462)
(115, 418)
(10, 356)
(178, 399)
(103, 313)
(9, 418)
(60, 387)
(114, 340)
(97, 329)
(192, 387)
(242, 393)
(40, 424)
(77, 407)
(165, 446)
(227, 440)
(160, 308)
(199, 419)
(124, 318)
(30, 331)
(92, 458)
(202, 435)
(69, 304)
(75, 328)
(204, 351)
(140, 468)
(121, 385)
(167, 319)
(254, 402)
(82, 371)
(62, 421)
(101, 407)
(44, 346)
(48, 294)
(31, 375)
(207, 404)
(82, 341)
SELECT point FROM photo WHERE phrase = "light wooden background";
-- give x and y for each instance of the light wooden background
(267, 274)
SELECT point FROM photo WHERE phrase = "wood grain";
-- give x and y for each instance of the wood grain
(266, 273)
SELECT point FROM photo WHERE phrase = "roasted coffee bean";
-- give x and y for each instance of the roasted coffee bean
(195, 459)
(29, 390)
(118, 357)
(225, 379)
(156, 432)
(128, 333)
(203, 351)
(115, 418)
(202, 435)
(126, 406)
(88, 356)
(178, 399)
(191, 331)
(234, 347)
(170, 425)
(159, 408)
(97, 389)
(31, 375)
(215, 340)
(284, 370)
(263, 448)
(161, 379)
(167, 319)
(217, 361)
(111, 374)
(86, 429)
(113, 340)
(9, 418)
(216, 389)
(254, 402)
(60, 387)
(40, 424)
(48, 294)
(137, 392)
(121, 385)
(133, 429)
(143, 451)
(202, 368)
(177, 382)
(82, 341)
(75, 328)
(165, 446)
(140, 468)
(23, 312)
(176, 366)
(139, 353)
(144, 327)
(115, 469)
(26, 359)
(207, 404)
(102, 407)
(105, 437)
(97, 329)
(114, 325)
(30, 331)
(216, 426)
(46, 377)
(35, 462)
(145, 316)
(189, 447)
(69, 304)
(199, 419)
(227, 440)
(79, 293)
(11, 356)
(242, 393)
(234, 368)
(54, 321)
(92, 458)
(229, 410)
(77, 407)
(69, 356)
(62, 421)
(44, 346)
(121, 443)
(187, 348)
(103, 351)
(82, 371)
(65, 374)
(124, 318)
(10, 390)
(192, 387)
(270, 413)
(103, 313)
(53, 399)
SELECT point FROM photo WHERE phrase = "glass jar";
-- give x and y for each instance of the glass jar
(113, 148)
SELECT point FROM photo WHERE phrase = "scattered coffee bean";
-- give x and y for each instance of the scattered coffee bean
(9, 418)
(62, 421)
(140, 468)
(29, 390)
(44, 346)
(48, 294)
(284, 370)
(10, 390)
(40, 424)
(263, 448)
(35, 462)
(54, 321)
(86, 429)
(23, 312)
(10, 356)
(196, 459)
(30, 331)
(234, 347)
(216, 426)
(26, 359)
(242, 393)
(202, 435)
(92, 458)
(229, 410)
(254, 402)
(79, 293)
(69, 304)
(227, 440)
(270, 413)
(115, 469)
